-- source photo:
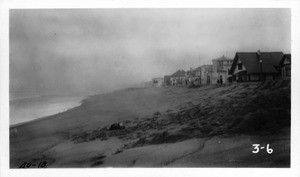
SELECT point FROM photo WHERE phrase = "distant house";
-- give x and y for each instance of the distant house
(178, 78)
(255, 66)
(198, 76)
(205, 74)
(167, 81)
(158, 82)
(192, 78)
(285, 66)
(221, 67)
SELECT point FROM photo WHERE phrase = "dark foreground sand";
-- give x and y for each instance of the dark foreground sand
(165, 127)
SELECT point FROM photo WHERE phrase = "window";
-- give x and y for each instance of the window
(220, 64)
(240, 66)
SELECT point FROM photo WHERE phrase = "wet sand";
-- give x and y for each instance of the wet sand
(27, 109)
(209, 126)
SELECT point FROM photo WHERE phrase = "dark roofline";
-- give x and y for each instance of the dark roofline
(235, 60)
(231, 70)
(205, 65)
(180, 70)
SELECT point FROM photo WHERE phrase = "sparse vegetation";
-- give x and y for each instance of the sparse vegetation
(239, 109)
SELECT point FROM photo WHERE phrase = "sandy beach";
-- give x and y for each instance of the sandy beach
(210, 126)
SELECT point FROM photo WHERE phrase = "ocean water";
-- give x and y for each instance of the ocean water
(27, 109)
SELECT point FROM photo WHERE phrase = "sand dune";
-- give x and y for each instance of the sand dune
(209, 126)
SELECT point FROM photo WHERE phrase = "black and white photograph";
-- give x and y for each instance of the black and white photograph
(150, 88)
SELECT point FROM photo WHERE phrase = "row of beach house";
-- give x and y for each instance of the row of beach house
(244, 67)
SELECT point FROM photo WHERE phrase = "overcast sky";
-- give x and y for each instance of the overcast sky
(95, 51)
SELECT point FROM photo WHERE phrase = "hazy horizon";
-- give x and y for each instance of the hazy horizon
(89, 51)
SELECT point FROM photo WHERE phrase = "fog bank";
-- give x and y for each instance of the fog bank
(92, 51)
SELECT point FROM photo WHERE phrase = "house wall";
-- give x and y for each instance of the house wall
(205, 75)
(269, 76)
(177, 81)
(224, 65)
(214, 66)
(245, 77)
(173, 81)
(167, 80)
(254, 77)
(198, 76)
(192, 77)
(227, 64)
(158, 82)
(236, 70)
(286, 72)
(215, 76)
(206, 78)
(242, 78)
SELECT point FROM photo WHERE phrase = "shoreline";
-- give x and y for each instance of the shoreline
(77, 104)
(81, 101)
(164, 127)
(40, 119)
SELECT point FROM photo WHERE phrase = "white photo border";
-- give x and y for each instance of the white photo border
(5, 171)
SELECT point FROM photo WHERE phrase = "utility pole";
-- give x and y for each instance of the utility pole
(260, 64)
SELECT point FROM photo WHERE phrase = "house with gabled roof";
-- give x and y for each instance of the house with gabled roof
(178, 78)
(255, 66)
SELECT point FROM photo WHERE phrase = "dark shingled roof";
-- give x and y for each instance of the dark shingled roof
(251, 61)
(179, 73)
